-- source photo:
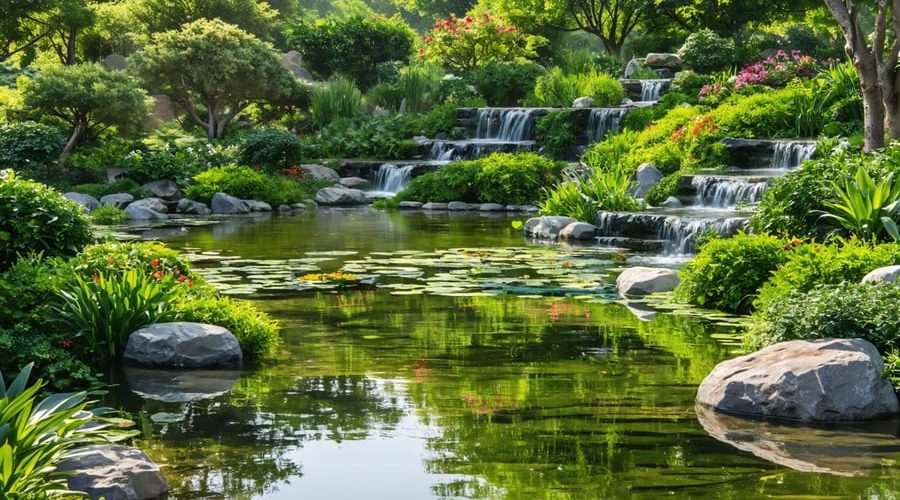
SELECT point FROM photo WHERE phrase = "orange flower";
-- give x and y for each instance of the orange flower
(154, 262)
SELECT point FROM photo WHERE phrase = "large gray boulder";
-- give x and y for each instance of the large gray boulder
(434, 206)
(578, 231)
(322, 173)
(165, 189)
(457, 206)
(491, 207)
(632, 67)
(258, 206)
(141, 213)
(410, 205)
(118, 200)
(87, 202)
(339, 195)
(821, 380)
(154, 204)
(179, 386)
(547, 227)
(355, 182)
(637, 281)
(225, 204)
(888, 274)
(114, 472)
(646, 176)
(663, 60)
(183, 345)
(191, 207)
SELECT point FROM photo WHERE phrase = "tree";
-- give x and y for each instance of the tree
(875, 56)
(253, 16)
(463, 44)
(27, 24)
(214, 70)
(90, 98)
(610, 20)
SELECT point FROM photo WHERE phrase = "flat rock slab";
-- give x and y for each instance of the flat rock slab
(191, 207)
(888, 274)
(578, 231)
(821, 380)
(115, 472)
(410, 204)
(637, 281)
(547, 227)
(183, 345)
(321, 172)
(118, 200)
(141, 213)
(339, 195)
(355, 182)
(87, 202)
(155, 204)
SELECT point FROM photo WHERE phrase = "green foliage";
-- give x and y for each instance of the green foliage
(689, 82)
(727, 273)
(36, 218)
(92, 163)
(566, 199)
(119, 186)
(156, 16)
(814, 264)
(515, 179)
(354, 47)
(505, 83)
(370, 137)
(118, 257)
(29, 146)
(247, 184)
(704, 51)
(36, 434)
(337, 99)
(108, 214)
(178, 163)
(256, 333)
(557, 88)
(103, 311)
(462, 44)
(769, 114)
(848, 310)
(418, 87)
(455, 181)
(555, 133)
(864, 208)
(440, 120)
(582, 196)
(665, 188)
(270, 148)
(214, 70)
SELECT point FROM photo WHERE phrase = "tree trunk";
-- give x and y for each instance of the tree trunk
(77, 133)
(71, 54)
(873, 118)
(890, 96)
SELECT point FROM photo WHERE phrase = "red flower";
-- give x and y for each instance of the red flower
(154, 262)
(67, 343)
(182, 278)
(95, 278)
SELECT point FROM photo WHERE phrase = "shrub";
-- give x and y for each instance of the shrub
(36, 218)
(466, 43)
(727, 273)
(864, 208)
(505, 83)
(515, 179)
(38, 434)
(557, 88)
(455, 181)
(93, 163)
(176, 162)
(689, 82)
(555, 133)
(664, 188)
(850, 310)
(108, 214)
(270, 148)
(29, 146)
(246, 184)
(103, 310)
(582, 197)
(808, 265)
(256, 333)
(118, 257)
(339, 98)
(355, 47)
(704, 51)
(119, 186)
(778, 70)
(418, 87)
(371, 137)
(440, 120)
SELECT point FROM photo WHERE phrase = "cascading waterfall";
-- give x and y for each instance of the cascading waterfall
(442, 151)
(724, 192)
(392, 179)
(505, 124)
(790, 154)
(604, 121)
(681, 234)
(651, 89)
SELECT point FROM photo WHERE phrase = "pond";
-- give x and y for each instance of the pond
(466, 362)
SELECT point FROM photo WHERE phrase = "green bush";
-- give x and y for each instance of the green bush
(36, 218)
(178, 163)
(455, 181)
(418, 87)
(440, 120)
(355, 47)
(337, 99)
(371, 137)
(93, 163)
(689, 82)
(664, 188)
(100, 190)
(108, 214)
(270, 148)
(555, 133)
(246, 184)
(515, 179)
(583, 196)
(865, 208)
(556, 88)
(121, 256)
(29, 146)
(849, 310)
(812, 264)
(727, 273)
(256, 333)
(505, 83)
(704, 51)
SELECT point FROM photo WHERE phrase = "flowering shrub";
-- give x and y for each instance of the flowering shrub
(777, 70)
(469, 42)
(178, 163)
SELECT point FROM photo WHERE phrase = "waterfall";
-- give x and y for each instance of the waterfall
(790, 154)
(442, 151)
(505, 124)
(392, 179)
(604, 121)
(681, 234)
(651, 89)
(724, 192)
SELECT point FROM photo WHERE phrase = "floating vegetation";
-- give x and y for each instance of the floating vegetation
(338, 278)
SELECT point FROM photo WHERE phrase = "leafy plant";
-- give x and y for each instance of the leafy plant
(504, 83)
(515, 179)
(272, 149)
(100, 190)
(582, 197)
(248, 184)
(339, 98)
(108, 214)
(29, 146)
(557, 88)
(704, 51)
(440, 120)
(36, 218)
(371, 137)
(456, 181)
(36, 434)
(462, 44)
(727, 273)
(419, 86)
(555, 133)
(865, 208)
(103, 311)
(255, 331)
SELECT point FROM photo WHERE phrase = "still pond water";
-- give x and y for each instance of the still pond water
(469, 363)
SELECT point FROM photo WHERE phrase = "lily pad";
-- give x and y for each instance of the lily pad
(166, 418)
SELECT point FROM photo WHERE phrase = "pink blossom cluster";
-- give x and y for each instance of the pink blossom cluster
(778, 69)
